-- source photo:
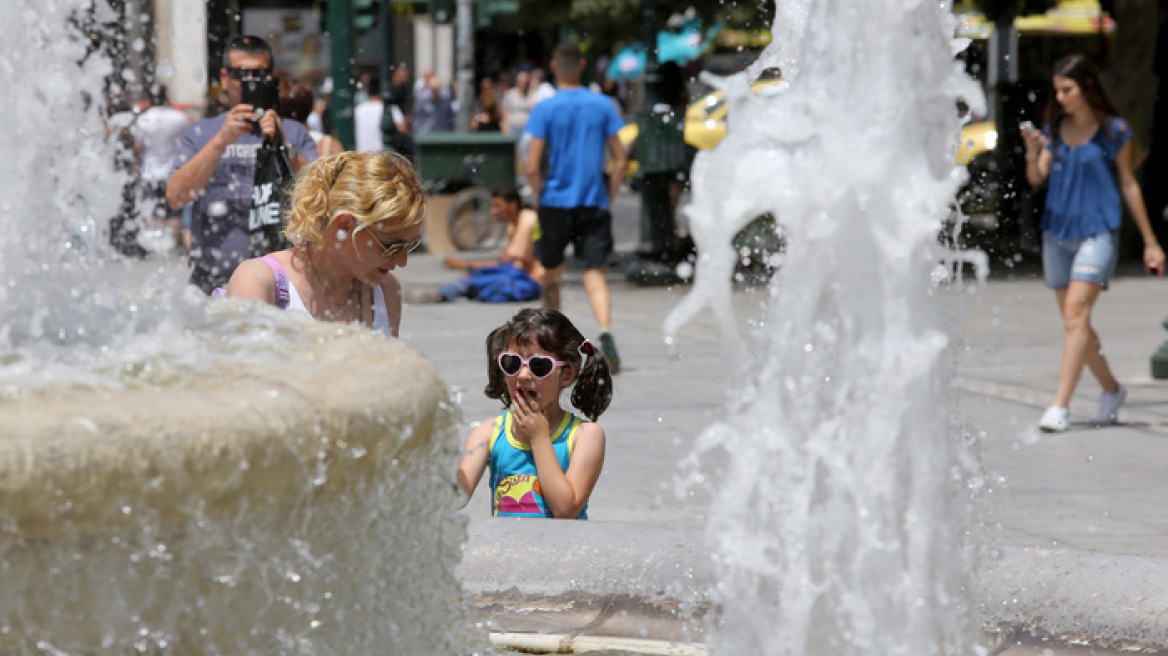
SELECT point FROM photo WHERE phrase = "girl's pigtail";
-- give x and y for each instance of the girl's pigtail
(496, 383)
(593, 389)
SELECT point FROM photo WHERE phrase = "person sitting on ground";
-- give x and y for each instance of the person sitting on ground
(544, 460)
(354, 218)
(512, 276)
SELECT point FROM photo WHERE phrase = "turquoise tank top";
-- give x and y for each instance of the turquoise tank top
(515, 488)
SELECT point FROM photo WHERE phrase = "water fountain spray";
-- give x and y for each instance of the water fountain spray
(831, 525)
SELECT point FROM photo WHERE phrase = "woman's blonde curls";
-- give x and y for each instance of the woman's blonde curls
(373, 187)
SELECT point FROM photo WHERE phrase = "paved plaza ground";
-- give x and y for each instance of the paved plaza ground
(1076, 520)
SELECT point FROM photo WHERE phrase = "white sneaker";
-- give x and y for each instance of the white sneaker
(1109, 403)
(1055, 420)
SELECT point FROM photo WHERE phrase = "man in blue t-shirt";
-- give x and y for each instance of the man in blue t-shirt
(215, 166)
(573, 128)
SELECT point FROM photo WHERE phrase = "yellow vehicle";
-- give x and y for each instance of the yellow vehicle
(705, 121)
(705, 126)
(975, 139)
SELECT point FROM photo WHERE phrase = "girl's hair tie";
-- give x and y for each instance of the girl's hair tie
(586, 348)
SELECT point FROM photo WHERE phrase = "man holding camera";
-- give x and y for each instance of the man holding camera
(215, 166)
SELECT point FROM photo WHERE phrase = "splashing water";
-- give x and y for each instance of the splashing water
(142, 512)
(69, 310)
(830, 527)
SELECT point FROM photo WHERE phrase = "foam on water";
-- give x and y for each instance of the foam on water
(831, 524)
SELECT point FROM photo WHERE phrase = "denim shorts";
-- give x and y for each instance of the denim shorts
(1091, 259)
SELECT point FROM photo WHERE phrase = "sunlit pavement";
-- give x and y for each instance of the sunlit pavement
(1075, 524)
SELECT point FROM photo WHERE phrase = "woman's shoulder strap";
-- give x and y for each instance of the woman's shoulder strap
(282, 295)
(367, 305)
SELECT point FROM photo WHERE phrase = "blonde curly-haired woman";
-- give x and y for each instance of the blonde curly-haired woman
(354, 218)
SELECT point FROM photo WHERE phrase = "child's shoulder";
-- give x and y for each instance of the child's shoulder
(490, 423)
(484, 430)
(585, 425)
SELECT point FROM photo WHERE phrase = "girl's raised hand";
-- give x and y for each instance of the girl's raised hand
(528, 421)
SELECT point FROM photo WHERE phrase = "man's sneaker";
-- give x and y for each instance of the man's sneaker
(1054, 420)
(1109, 403)
(608, 346)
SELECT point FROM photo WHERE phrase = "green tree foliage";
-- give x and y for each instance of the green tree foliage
(604, 25)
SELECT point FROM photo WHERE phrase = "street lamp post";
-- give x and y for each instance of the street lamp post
(652, 71)
(340, 21)
(652, 266)
(465, 57)
(391, 139)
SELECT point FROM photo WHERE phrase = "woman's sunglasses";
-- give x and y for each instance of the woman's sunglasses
(396, 247)
(540, 366)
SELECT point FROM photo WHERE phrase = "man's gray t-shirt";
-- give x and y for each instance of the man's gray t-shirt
(219, 233)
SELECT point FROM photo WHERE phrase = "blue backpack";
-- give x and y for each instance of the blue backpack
(502, 283)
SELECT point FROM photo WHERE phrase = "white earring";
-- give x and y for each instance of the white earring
(342, 234)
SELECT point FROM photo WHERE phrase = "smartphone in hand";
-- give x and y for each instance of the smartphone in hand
(261, 93)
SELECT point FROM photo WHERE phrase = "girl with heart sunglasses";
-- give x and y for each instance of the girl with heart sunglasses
(544, 460)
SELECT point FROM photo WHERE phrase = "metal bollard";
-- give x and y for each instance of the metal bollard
(1160, 358)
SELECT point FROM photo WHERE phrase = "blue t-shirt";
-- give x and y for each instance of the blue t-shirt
(219, 234)
(576, 123)
(1082, 197)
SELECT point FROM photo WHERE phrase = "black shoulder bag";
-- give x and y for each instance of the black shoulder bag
(269, 198)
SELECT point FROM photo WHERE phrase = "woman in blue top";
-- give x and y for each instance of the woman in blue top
(544, 460)
(1086, 156)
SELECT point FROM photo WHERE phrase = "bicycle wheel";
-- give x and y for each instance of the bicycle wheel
(472, 228)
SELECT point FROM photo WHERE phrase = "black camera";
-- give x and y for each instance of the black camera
(261, 93)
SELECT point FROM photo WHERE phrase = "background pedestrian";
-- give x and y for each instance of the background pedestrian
(215, 167)
(1086, 157)
(574, 128)
(157, 133)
